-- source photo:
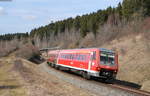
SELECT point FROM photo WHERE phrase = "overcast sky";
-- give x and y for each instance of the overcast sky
(24, 15)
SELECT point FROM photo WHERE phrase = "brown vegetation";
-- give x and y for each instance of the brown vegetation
(6, 47)
(113, 29)
(27, 51)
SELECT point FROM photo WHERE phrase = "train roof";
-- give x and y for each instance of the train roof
(106, 50)
(101, 49)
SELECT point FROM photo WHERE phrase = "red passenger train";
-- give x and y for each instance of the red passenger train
(97, 62)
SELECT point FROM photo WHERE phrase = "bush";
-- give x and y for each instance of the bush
(27, 51)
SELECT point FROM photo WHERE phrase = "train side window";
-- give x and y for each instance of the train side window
(70, 56)
(84, 57)
(73, 56)
(78, 58)
(81, 57)
(63, 56)
(67, 56)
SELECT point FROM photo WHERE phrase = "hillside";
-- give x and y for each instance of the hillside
(124, 29)
(134, 64)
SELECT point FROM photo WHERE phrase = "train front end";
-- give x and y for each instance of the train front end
(108, 64)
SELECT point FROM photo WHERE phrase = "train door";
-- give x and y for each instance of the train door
(92, 60)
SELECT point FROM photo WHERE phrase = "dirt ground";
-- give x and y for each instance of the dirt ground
(19, 77)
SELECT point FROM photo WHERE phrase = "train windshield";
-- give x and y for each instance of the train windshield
(107, 59)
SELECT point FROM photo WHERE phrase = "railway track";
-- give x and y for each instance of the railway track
(140, 92)
(96, 86)
(125, 88)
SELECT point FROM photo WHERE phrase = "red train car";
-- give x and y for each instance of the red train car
(97, 62)
(53, 56)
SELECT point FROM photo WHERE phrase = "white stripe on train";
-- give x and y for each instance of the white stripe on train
(91, 72)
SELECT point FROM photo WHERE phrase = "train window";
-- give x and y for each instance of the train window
(67, 56)
(84, 57)
(72, 57)
(78, 57)
(63, 56)
(81, 57)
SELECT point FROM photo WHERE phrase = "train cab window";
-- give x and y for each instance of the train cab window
(107, 60)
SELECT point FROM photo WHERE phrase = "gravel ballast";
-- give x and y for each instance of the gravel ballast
(85, 84)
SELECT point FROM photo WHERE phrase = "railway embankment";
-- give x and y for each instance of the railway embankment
(20, 77)
(134, 63)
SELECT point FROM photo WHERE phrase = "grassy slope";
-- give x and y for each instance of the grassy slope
(9, 83)
(134, 63)
(19, 77)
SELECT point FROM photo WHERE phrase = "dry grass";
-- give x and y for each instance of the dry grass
(9, 85)
(7, 47)
(112, 30)
(63, 40)
(27, 51)
(134, 64)
(46, 84)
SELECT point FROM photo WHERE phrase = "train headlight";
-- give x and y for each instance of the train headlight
(98, 68)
